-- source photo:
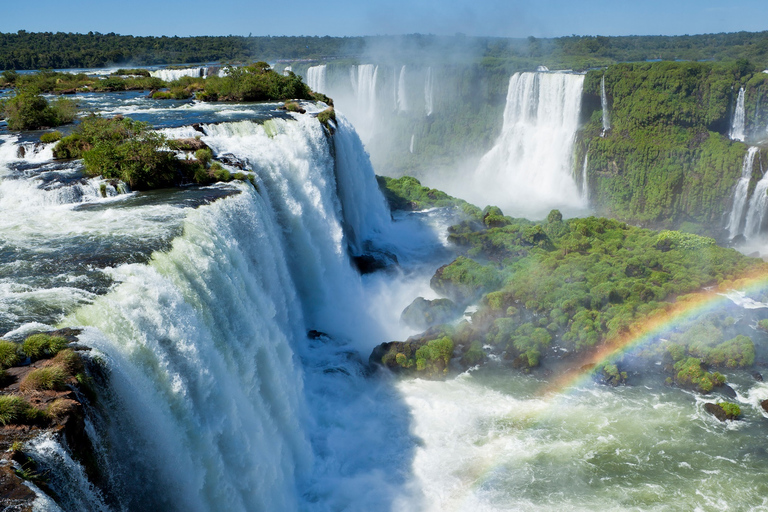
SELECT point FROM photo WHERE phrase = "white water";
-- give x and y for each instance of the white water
(740, 193)
(402, 92)
(604, 105)
(528, 171)
(364, 79)
(429, 102)
(413, 138)
(738, 124)
(584, 180)
(316, 76)
(170, 75)
(758, 204)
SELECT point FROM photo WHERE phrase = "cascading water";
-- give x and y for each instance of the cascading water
(584, 180)
(170, 75)
(604, 105)
(738, 124)
(740, 194)
(413, 137)
(429, 105)
(758, 203)
(402, 92)
(364, 78)
(529, 169)
(316, 76)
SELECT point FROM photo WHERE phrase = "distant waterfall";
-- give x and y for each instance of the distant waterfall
(758, 203)
(738, 125)
(584, 181)
(413, 136)
(169, 75)
(287, 70)
(364, 79)
(530, 167)
(316, 78)
(604, 104)
(740, 194)
(429, 93)
(402, 92)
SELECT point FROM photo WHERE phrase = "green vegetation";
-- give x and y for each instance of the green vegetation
(570, 285)
(47, 378)
(732, 411)
(763, 324)
(327, 115)
(49, 137)
(428, 358)
(14, 410)
(132, 71)
(38, 346)
(691, 375)
(609, 373)
(124, 149)
(9, 354)
(407, 193)
(255, 82)
(28, 110)
(667, 160)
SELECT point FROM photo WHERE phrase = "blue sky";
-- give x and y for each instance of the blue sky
(511, 18)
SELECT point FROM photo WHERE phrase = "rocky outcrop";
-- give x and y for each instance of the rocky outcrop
(723, 411)
(422, 313)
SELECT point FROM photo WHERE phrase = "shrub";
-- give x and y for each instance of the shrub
(16, 410)
(49, 137)
(27, 110)
(47, 378)
(43, 345)
(732, 410)
(326, 116)
(9, 354)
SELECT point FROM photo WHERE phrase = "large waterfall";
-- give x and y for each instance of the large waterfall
(529, 169)
(740, 194)
(205, 346)
(316, 78)
(170, 75)
(739, 121)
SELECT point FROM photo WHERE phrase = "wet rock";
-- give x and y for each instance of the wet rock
(190, 144)
(21, 152)
(197, 127)
(727, 390)
(374, 260)
(716, 411)
(14, 495)
(758, 376)
(422, 313)
(764, 405)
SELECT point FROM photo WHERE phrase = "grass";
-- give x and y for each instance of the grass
(16, 410)
(43, 345)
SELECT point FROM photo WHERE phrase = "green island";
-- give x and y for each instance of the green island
(566, 288)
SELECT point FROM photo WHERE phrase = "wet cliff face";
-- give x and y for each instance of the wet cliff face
(673, 154)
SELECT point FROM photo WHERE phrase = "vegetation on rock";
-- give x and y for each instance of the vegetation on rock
(28, 110)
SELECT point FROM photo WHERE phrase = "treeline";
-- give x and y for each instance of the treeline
(29, 50)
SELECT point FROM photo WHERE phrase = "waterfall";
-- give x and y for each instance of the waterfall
(584, 180)
(428, 93)
(316, 78)
(402, 93)
(364, 78)
(413, 136)
(604, 104)
(206, 407)
(364, 210)
(758, 203)
(169, 75)
(740, 194)
(287, 70)
(738, 125)
(529, 169)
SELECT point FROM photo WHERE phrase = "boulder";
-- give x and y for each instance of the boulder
(723, 411)
(764, 405)
(422, 313)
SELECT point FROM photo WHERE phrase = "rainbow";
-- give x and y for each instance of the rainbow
(686, 308)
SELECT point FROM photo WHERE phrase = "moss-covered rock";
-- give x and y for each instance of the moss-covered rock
(723, 410)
